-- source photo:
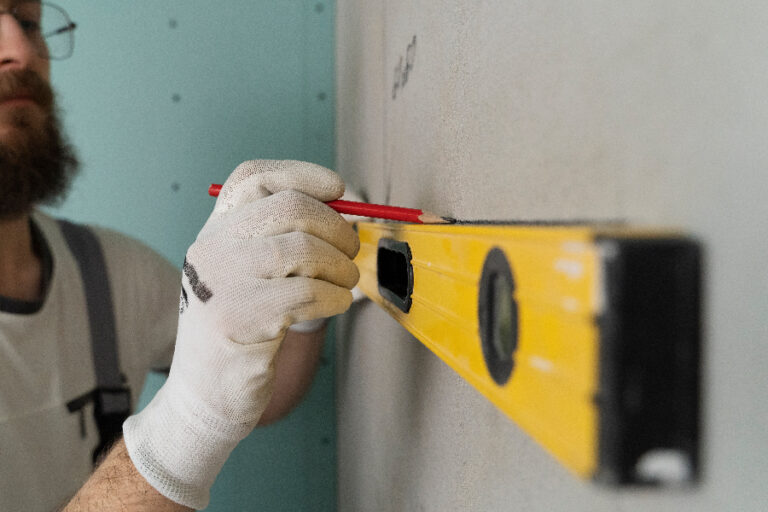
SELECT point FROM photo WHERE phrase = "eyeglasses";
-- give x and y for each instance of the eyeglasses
(47, 27)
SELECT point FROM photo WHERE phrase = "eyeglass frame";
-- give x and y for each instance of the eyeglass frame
(70, 26)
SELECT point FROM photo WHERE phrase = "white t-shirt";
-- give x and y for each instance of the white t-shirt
(45, 362)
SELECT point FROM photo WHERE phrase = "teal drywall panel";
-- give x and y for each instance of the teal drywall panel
(163, 98)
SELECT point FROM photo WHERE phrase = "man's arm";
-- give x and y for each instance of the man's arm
(248, 275)
(116, 485)
(295, 369)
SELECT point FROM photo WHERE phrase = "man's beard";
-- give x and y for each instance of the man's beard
(37, 163)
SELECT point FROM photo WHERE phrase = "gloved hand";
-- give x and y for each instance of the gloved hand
(357, 293)
(270, 255)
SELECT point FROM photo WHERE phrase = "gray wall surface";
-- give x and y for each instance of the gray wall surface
(653, 112)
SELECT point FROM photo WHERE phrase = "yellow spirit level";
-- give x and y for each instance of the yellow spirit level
(586, 336)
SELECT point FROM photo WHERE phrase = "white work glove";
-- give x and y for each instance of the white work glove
(357, 294)
(270, 255)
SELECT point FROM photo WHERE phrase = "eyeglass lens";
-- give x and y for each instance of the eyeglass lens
(47, 27)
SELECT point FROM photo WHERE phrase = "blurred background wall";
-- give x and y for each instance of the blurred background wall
(164, 98)
(651, 112)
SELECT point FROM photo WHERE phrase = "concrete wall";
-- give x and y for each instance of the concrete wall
(652, 112)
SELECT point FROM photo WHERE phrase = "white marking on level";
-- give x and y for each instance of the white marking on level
(667, 466)
(572, 268)
(571, 304)
(575, 247)
(544, 365)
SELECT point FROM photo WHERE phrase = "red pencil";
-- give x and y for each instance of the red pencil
(378, 211)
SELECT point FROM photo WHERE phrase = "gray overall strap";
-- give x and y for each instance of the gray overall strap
(111, 397)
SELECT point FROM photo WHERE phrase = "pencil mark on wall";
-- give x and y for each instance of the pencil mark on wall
(404, 67)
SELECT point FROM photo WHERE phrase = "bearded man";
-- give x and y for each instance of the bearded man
(256, 288)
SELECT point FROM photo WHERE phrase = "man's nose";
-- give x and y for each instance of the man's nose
(16, 51)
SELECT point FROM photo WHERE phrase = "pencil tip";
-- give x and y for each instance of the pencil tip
(431, 218)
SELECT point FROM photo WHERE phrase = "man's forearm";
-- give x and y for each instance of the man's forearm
(295, 368)
(116, 485)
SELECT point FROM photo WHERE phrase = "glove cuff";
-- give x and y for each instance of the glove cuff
(179, 450)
